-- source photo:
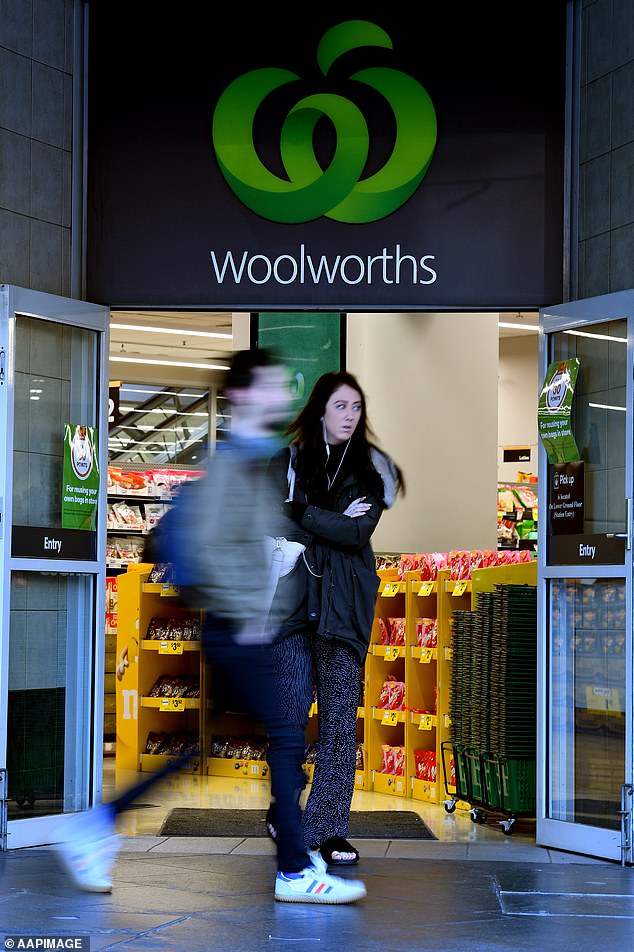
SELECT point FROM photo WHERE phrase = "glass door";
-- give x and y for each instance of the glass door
(584, 796)
(53, 411)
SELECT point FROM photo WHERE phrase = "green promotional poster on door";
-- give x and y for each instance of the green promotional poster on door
(81, 477)
(553, 415)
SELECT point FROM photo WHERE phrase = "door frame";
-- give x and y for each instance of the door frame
(558, 834)
(51, 308)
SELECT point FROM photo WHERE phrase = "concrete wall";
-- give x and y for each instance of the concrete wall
(36, 143)
(605, 224)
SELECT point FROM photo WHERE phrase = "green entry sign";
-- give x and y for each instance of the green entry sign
(81, 477)
(553, 416)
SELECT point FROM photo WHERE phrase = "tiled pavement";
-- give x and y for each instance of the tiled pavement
(184, 894)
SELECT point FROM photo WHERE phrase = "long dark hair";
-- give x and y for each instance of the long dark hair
(306, 430)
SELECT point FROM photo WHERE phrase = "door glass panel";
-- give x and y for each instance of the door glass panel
(598, 417)
(587, 632)
(49, 704)
(55, 373)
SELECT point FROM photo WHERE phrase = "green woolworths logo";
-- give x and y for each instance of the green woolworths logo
(337, 192)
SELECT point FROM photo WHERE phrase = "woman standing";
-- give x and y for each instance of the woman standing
(336, 483)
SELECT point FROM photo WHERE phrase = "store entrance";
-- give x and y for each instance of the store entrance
(585, 589)
(53, 379)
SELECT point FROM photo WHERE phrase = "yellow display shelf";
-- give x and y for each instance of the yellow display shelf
(421, 683)
(228, 767)
(161, 588)
(424, 790)
(424, 671)
(359, 780)
(424, 722)
(387, 717)
(150, 763)
(171, 704)
(169, 647)
(142, 663)
(416, 587)
(388, 652)
(395, 786)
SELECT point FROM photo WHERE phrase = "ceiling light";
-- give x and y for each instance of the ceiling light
(167, 363)
(606, 406)
(522, 327)
(129, 408)
(619, 340)
(159, 391)
(172, 330)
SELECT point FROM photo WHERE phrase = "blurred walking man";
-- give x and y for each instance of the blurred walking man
(229, 512)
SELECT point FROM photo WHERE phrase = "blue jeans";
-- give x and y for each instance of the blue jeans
(251, 674)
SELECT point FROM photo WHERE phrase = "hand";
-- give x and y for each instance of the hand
(357, 508)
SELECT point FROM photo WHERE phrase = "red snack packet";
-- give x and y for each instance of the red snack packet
(384, 634)
(392, 697)
(397, 631)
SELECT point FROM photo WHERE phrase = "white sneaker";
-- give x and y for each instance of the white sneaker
(88, 847)
(312, 886)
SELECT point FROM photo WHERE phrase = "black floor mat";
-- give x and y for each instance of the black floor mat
(368, 825)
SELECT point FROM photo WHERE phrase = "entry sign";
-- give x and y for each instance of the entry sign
(565, 505)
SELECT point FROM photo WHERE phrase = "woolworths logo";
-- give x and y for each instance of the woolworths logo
(339, 191)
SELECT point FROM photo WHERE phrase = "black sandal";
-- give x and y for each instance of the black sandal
(270, 823)
(337, 844)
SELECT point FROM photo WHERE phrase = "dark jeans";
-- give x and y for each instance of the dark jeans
(250, 673)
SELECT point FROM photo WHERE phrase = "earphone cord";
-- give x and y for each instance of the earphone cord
(331, 481)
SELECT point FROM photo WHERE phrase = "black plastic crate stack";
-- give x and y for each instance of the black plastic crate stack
(480, 687)
(514, 672)
(493, 699)
(459, 699)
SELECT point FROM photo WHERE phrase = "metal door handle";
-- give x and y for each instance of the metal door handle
(624, 535)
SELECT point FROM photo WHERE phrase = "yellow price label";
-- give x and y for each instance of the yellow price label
(460, 587)
(391, 653)
(426, 588)
(391, 589)
(171, 647)
(426, 655)
(425, 723)
(390, 717)
(172, 704)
